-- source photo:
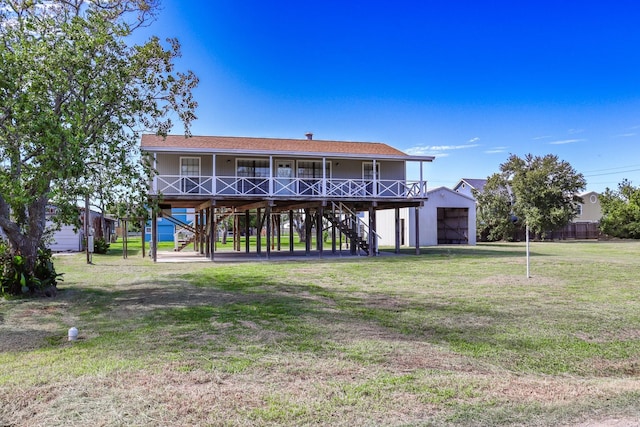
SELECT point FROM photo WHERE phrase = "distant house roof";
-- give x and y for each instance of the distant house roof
(477, 184)
(241, 145)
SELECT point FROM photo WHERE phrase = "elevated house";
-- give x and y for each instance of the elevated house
(329, 182)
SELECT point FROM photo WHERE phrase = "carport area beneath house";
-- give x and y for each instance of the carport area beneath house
(188, 256)
(222, 231)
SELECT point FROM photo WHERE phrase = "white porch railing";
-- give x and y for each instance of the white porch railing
(288, 187)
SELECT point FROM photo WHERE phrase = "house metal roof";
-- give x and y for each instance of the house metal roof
(249, 145)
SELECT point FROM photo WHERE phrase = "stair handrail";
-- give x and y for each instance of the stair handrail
(342, 207)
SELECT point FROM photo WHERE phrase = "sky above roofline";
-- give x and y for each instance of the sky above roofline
(467, 82)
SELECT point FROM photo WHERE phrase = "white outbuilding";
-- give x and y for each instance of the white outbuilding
(446, 218)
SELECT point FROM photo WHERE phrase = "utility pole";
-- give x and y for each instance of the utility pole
(87, 229)
(528, 253)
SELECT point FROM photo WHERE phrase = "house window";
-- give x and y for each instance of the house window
(580, 210)
(310, 174)
(367, 177)
(257, 172)
(312, 169)
(190, 173)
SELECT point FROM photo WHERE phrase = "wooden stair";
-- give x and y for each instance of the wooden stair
(346, 226)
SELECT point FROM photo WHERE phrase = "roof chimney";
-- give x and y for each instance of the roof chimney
(309, 135)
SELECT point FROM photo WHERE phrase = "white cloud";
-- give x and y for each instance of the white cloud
(565, 141)
(626, 135)
(437, 150)
(496, 150)
(472, 140)
(542, 137)
(575, 131)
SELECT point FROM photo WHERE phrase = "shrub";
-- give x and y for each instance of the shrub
(15, 279)
(101, 246)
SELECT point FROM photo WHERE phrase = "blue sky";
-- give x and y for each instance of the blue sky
(467, 81)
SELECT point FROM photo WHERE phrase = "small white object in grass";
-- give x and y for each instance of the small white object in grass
(73, 334)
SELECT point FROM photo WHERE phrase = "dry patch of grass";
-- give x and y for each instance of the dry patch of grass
(453, 337)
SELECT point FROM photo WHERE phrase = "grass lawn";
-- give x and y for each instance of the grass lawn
(455, 336)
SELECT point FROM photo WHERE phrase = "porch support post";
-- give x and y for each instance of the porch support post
(270, 178)
(307, 231)
(213, 175)
(207, 232)
(259, 231)
(201, 232)
(196, 219)
(212, 233)
(291, 231)
(324, 177)
(354, 239)
(333, 233)
(153, 247)
(278, 219)
(247, 220)
(154, 185)
(267, 220)
(423, 191)
(417, 227)
(236, 231)
(372, 228)
(397, 232)
(375, 181)
(319, 230)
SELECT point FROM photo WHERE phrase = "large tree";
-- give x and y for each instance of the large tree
(75, 95)
(495, 219)
(542, 191)
(621, 211)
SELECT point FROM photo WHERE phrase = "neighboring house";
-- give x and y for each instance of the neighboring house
(336, 181)
(586, 225)
(167, 228)
(467, 185)
(446, 218)
(590, 209)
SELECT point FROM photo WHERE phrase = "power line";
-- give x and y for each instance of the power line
(611, 169)
(613, 173)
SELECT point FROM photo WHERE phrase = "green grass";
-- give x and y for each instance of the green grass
(455, 336)
(134, 245)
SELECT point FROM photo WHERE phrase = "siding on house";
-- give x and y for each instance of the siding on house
(591, 209)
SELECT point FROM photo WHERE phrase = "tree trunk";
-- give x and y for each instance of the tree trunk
(25, 239)
(298, 225)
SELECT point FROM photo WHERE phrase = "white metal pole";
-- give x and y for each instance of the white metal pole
(527, 240)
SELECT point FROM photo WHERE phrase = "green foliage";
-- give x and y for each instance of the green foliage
(621, 211)
(15, 278)
(495, 219)
(101, 246)
(75, 94)
(545, 190)
(539, 191)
